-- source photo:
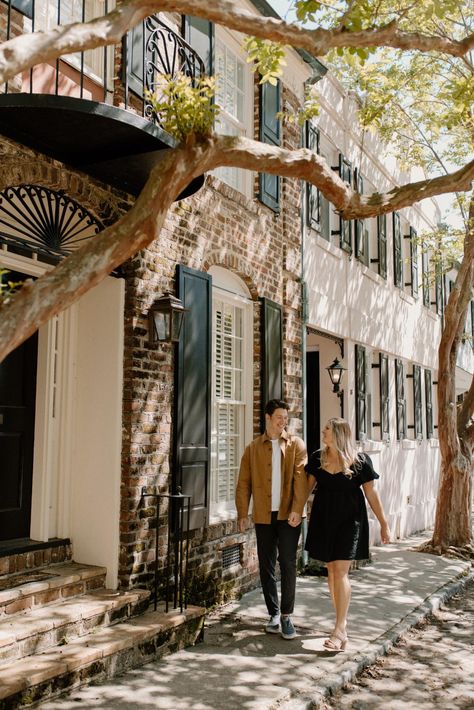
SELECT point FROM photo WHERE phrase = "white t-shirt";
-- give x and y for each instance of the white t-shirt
(276, 474)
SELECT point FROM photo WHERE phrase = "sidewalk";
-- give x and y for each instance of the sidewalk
(239, 667)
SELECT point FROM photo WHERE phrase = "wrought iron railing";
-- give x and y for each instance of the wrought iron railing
(163, 53)
(175, 570)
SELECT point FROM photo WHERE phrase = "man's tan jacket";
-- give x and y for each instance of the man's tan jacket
(255, 478)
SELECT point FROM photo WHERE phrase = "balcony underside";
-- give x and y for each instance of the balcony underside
(108, 143)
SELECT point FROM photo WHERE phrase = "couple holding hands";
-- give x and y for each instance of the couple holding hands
(274, 472)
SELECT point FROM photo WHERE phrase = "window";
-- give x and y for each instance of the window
(345, 226)
(439, 288)
(384, 398)
(401, 401)
(397, 251)
(411, 262)
(361, 393)
(317, 206)
(417, 402)
(231, 386)
(425, 276)
(47, 16)
(381, 245)
(233, 91)
(429, 404)
(472, 324)
(312, 193)
(361, 230)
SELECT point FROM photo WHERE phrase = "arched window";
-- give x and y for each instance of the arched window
(232, 386)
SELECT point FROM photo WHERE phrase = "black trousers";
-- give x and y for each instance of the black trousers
(278, 538)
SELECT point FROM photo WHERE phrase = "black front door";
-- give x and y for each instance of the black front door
(17, 420)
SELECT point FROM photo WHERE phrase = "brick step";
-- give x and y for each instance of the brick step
(105, 653)
(39, 629)
(27, 590)
(25, 554)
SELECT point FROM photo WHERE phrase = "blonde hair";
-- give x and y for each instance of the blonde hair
(344, 445)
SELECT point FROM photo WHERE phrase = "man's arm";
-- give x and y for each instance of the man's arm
(243, 492)
(300, 485)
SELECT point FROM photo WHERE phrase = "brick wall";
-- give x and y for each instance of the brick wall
(217, 226)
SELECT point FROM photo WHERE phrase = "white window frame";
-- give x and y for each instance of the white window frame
(242, 180)
(229, 289)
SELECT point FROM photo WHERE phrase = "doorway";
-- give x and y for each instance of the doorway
(17, 423)
(313, 413)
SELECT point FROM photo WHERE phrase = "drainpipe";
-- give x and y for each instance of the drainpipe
(304, 319)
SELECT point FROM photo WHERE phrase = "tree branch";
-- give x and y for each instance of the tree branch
(25, 51)
(306, 165)
(39, 301)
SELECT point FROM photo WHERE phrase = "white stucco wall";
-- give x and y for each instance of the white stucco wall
(353, 303)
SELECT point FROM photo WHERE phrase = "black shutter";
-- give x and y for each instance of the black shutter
(312, 193)
(272, 350)
(425, 276)
(384, 398)
(401, 403)
(417, 402)
(192, 421)
(135, 50)
(361, 392)
(397, 251)
(414, 263)
(429, 404)
(439, 289)
(361, 233)
(382, 245)
(270, 132)
(345, 226)
(199, 34)
(472, 324)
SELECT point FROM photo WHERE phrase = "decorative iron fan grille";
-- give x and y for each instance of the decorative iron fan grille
(35, 219)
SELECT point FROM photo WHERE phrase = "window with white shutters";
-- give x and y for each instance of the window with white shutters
(231, 391)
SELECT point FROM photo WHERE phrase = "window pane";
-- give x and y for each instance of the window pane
(228, 406)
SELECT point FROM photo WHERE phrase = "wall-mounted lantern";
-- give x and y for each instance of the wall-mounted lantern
(336, 372)
(166, 318)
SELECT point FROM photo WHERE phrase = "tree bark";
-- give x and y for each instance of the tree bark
(453, 526)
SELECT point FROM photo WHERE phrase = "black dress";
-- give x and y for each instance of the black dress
(338, 528)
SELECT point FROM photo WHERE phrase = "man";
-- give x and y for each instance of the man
(272, 472)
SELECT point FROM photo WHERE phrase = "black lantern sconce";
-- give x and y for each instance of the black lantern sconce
(336, 373)
(166, 318)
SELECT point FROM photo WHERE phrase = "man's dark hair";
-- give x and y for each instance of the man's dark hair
(273, 404)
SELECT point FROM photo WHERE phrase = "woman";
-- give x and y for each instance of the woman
(338, 530)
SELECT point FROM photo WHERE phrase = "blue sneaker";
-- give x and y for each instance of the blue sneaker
(273, 626)
(287, 628)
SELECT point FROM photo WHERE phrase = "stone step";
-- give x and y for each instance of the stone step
(59, 623)
(28, 590)
(105, 653)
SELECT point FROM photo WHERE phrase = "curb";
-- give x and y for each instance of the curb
(375, 650)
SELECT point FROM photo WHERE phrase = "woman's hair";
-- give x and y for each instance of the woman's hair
(344, 445)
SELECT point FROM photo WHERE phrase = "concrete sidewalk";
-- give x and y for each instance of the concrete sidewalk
(239, 667)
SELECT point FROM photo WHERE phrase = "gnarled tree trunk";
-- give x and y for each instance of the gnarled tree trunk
(453, 526)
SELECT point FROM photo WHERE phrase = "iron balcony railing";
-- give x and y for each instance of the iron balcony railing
(150, 50)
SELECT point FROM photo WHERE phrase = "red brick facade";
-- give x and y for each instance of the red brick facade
(218, 226)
